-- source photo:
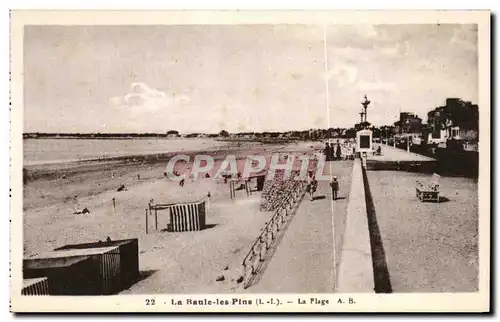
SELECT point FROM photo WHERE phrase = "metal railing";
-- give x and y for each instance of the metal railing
(253, 261)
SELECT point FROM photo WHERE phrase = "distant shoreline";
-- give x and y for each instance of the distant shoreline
(126, 158)
(54, 170)
(149, 156)
(221, 139)
(111, 138)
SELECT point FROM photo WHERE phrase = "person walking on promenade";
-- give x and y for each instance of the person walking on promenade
(331, 153)
(338, 152)
(309, 185)
(312, 185)
(327, 152)
(334, 185)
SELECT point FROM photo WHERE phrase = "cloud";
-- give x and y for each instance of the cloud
(144, 98)
(343, 74)
(116, 100)
(347, 54)
(367, 31)
(389, 51)
(465, 36)
(377, 86)
(298, 32)
(361, 36)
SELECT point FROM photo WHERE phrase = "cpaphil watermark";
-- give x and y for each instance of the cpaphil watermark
(290, 166)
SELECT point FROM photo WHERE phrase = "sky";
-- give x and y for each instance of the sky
(195, 78)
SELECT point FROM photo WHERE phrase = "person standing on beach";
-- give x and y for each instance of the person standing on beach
(334, 185)
(208, 201)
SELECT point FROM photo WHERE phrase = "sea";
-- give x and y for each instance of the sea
(49, 151)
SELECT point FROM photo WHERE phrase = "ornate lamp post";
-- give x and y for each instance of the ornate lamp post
(365, 104)
(364, 137)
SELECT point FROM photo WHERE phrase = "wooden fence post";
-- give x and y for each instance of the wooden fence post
(146, 221)
(156, 219)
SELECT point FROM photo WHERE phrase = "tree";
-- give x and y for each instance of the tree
(376, 132)
(223, 133)
(331, 133)
(350, 133)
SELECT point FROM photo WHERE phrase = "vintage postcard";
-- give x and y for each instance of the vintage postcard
(260, 161)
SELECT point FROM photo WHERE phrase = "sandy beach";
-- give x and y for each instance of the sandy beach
(174, 262)
(418, 255)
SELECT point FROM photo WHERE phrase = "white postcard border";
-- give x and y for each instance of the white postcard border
(416, 302)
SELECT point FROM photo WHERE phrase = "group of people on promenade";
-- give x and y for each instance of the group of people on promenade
(338, 151)
(332, 152)
(312, 186)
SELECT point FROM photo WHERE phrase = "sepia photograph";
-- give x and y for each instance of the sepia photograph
(247, 165)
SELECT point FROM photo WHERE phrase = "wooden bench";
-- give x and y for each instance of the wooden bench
(428, 191)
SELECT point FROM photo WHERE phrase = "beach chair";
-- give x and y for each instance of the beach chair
(428, 191)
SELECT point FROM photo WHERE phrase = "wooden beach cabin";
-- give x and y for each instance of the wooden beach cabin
(35, 286)
(65, 275)
(183, 215)
(89, 271)
(129, 257)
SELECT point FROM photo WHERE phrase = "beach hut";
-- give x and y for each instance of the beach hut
(129, 257)
(65, 275)
(94, 271)
(35, 286)
(188, 216)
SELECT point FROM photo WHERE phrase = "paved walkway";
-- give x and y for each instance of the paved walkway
(390, 153)
(304, 260)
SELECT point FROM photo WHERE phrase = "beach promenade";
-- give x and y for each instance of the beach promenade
(308, 256)
(368, 243)
(392, 158)
(392, 154)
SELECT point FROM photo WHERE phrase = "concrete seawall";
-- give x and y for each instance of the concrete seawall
(381, 276)
(355, 271)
